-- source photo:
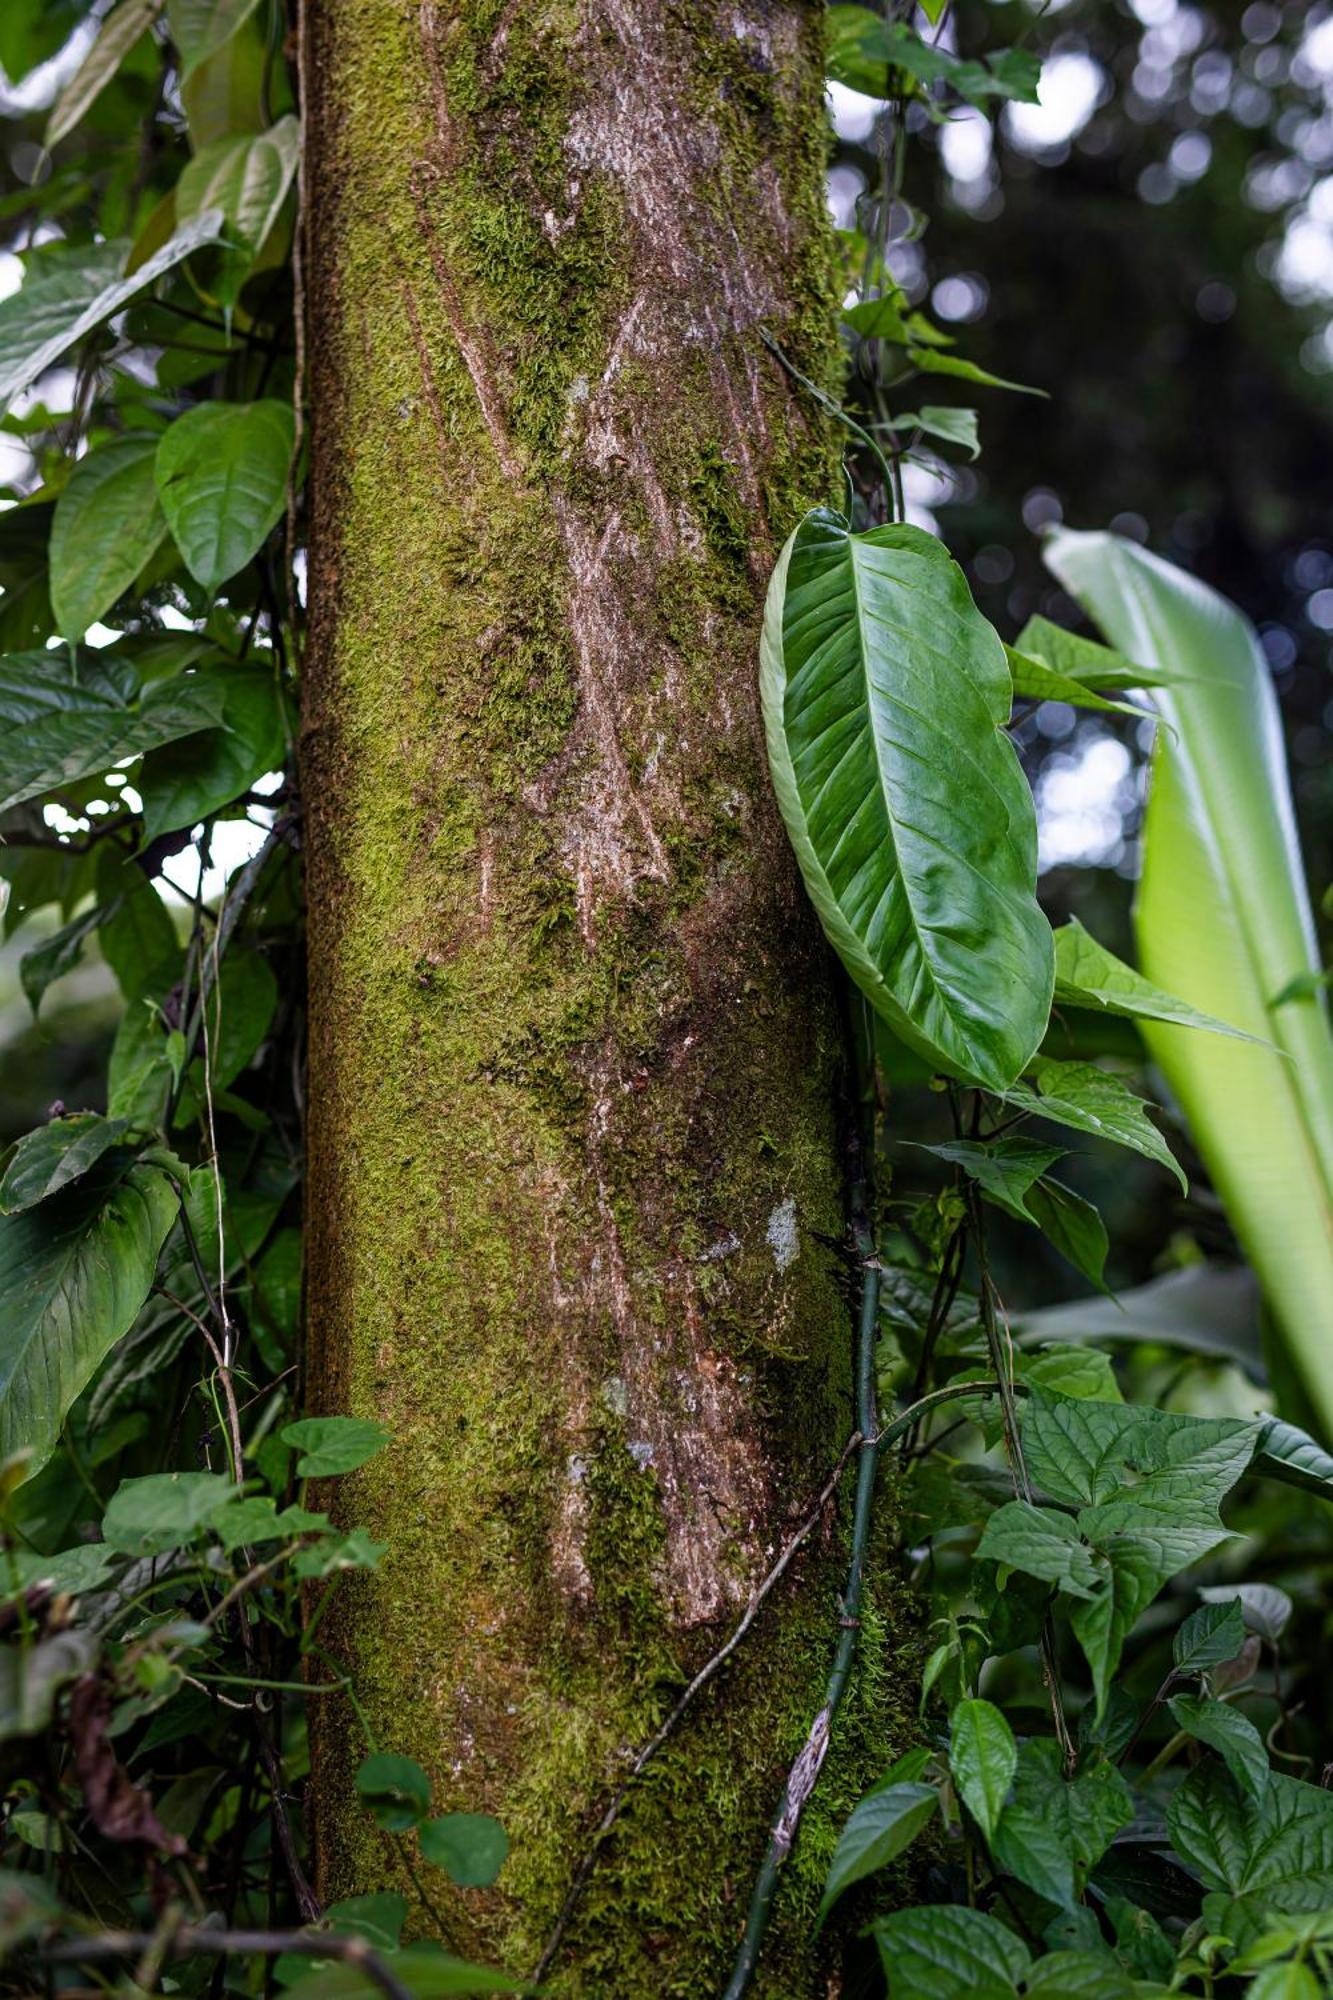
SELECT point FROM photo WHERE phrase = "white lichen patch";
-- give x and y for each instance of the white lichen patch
(783, 1236)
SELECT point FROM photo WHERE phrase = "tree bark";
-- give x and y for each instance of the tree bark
(576, 1203)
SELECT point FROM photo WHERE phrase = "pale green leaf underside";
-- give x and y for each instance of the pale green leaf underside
(885, 694)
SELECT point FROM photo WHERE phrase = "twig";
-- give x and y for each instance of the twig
(202, 1940)
(710, 1668)
(831, 407)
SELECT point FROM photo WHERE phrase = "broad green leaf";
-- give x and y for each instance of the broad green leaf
(199, 778)
(67, 725)
(1137, 1571)
(886, 1821)
(55, 1154)
(199, 28)
(1041, 1543)
(222, 478)
(84, 1567)
(1081, 1975)
(1055, 1829)
(1088, 975)
(932, 362)
(333, 1445)
(238, 1013)
(164, 1510)
(855, 51)
(116, 36)
(248, 178)
(55, 956)
(1034, 681)
(1075, 658)
(1071, 1224)
(1089, 1099)
(1291, 1455)
(107, 524)
(1289, 1981)
(1081, 1372)
(1223, 921)
(426, 1972)
(247, 1522)
(470, 1847)
(395, 1790)
(885, 693)
(137, 937)
(955, 426)
(1213, 1633)
(73, 1276)
(335, 1553)
(72, 297)
(1279, 1846)
(983, 1758)
(1224, 1729)
(944, 1952)
(1004, 1168)
(1265, 1609)
(1077, 1451)
(139, 1069)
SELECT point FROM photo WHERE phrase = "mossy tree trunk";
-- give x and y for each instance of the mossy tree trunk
(576, 1195)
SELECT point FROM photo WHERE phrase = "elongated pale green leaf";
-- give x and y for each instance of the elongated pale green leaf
(1223, 920)
(884, 1823)
(107, 524)
(117, 35)
(983, 1758)
(1093, 1100)
(73, 1276)
(955, 426)
(943, 1952)
(199, 28)
(57, 1153)
(1293, 1456)
(1088, 975)
(1210, 1635)
(885, 694)
(55, 956)
(248, 178)
(68, 725)
(72, 297)
(222, 477)
(426, 1972)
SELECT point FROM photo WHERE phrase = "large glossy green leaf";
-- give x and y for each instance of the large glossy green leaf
(72, 295)
(73, 1275)
(1224, 1729)
(119, 32)
(68, 723)
(1054, 1829)
(885, 696)
(222, 477)
(1223, 920)
(107, 523)
(197, 778)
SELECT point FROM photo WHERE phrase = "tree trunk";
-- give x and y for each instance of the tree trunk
(576, 1203)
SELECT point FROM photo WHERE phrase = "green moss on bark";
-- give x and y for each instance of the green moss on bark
(572, 1042)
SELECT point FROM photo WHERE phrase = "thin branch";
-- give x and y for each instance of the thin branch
(199, 1940)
